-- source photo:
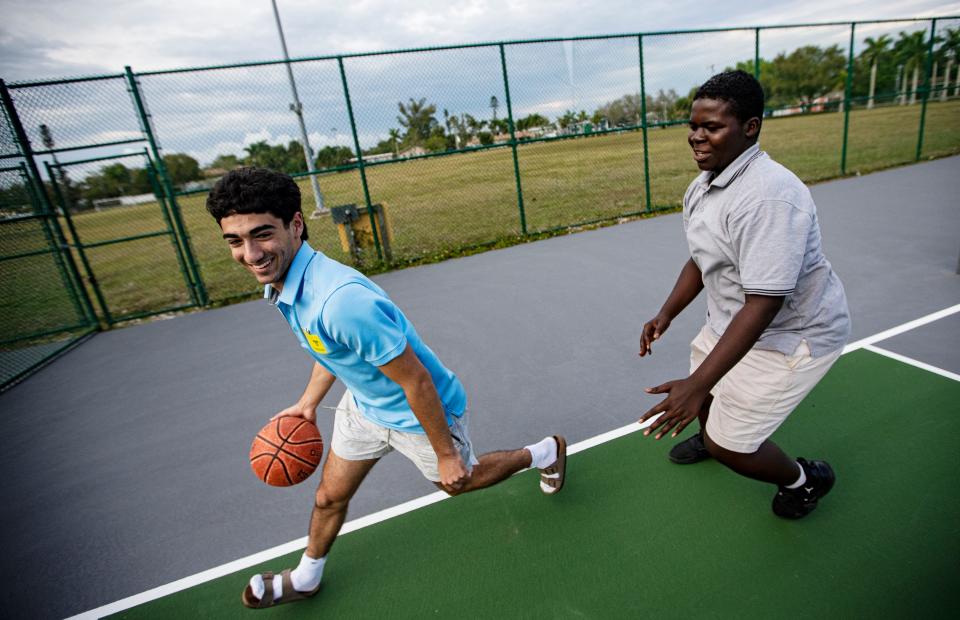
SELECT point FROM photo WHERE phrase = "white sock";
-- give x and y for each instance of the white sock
(305, 577)
(800, 480)
(543, 453)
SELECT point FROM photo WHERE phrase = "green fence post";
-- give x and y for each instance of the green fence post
(167, 219)
(198, 292)
(359, 151)
(513, 141)
(925, 89)
(847, 92)
(78, 245)
(27, 151)
(756, 53)
(643, 125)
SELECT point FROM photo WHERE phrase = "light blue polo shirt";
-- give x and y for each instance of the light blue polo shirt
(350, 326)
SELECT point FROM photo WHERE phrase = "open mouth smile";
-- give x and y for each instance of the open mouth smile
(261, 267)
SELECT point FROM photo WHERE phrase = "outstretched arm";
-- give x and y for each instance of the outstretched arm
(320, 382)
(686, 396)
(688, 286)
(408, 372)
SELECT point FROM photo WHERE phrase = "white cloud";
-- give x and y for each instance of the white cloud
(58, 38)
(218, 112)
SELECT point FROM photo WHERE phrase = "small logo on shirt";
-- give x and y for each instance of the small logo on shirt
(314, 341)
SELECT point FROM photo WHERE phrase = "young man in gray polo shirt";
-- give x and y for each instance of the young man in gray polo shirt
(777, 315)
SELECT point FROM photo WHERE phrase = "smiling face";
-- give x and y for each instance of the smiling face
(716, 136)
(261, 243)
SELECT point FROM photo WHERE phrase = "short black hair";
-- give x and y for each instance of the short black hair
(739, 89)
(256, 190)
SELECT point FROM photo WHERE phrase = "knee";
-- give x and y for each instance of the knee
(327, 499)
(727, 457)
(715, 451)
(450, 490)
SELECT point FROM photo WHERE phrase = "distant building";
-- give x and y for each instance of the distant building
(211, 173)
(123, 201)
(415, 151)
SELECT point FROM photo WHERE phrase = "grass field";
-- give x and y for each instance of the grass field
(440, 205)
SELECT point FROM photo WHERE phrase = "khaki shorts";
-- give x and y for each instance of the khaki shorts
(752, 400)
(355, 438)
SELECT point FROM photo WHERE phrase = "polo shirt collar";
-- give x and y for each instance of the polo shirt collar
(293, 279)
(734, 169)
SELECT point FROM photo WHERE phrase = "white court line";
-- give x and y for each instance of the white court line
(899, 329)
(300, 543)
(426, 500)
(912, 362)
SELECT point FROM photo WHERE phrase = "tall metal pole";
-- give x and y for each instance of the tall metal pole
(643, 125)
(847, 93)
(926, 87)
(297, 108)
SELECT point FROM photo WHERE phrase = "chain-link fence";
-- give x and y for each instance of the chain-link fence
(42, 311)
(442, 150)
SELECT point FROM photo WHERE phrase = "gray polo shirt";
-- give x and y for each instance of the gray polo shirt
(753, 229)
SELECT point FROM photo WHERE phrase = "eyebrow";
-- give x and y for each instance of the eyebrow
(253, 231)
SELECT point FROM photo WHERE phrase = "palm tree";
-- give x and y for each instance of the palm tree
(394, 135)
(474, 125)
(950, 49)
(875, 49)
(417, 118)
(911, 50)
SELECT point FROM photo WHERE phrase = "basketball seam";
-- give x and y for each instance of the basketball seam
(281, 449)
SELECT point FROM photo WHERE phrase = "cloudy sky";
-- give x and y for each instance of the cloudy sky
(59, 38)
(206, 114)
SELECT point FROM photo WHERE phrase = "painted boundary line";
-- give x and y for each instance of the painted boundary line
(912, 362)
(899, 329)
(432, 498)
(298, 544)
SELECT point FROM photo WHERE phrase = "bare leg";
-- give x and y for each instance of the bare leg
(495, 467)
(705, 413)
(341, 479)
(767, 464)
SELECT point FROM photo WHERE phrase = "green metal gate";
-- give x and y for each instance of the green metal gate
(43, 311)
(122, 240)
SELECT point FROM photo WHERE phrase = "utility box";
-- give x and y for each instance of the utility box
(356, 232)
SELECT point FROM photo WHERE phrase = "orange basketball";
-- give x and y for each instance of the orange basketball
(286, 451)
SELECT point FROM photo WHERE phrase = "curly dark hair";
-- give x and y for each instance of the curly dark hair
(739, 89)
(255, 190)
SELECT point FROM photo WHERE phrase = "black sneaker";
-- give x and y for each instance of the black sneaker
(690, 450)
(799, 502)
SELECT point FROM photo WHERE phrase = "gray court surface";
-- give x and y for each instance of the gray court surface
(126, 460)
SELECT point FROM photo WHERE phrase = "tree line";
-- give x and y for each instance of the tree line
(885, 70)
(110, 181)
(795, 78)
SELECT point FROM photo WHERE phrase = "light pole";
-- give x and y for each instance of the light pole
(47, 138)
(297, 108)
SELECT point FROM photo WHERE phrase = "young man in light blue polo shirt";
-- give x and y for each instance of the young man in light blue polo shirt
(777, 315)
(399, 395)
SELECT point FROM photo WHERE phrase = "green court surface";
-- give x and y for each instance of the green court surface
(633, 535)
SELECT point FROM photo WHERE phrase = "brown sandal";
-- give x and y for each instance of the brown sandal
(551, 478)
(289, 594)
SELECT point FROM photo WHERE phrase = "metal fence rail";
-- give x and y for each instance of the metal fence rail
(454, 147)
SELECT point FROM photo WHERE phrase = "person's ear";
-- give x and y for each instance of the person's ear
(752, 127)
(297, 225)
